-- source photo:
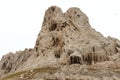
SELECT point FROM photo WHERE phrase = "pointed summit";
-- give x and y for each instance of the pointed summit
(66, 34)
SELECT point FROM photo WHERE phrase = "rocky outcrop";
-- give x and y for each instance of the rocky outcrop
(11, 62)
(67, 32)
(67, 48)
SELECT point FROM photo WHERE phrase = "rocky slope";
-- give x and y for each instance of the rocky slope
(67, 48)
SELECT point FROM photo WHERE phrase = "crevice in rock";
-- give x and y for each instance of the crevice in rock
(75, 60)
(57, 55)
(53, 26)
(56, 41)
(78, 15)
(64, 24)
(3, 66)
(53, 9)
(93, 49)
(36, 49)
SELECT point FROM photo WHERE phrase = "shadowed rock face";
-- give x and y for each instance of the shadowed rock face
(65, 39)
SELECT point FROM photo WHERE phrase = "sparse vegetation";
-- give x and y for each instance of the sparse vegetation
(30, 73)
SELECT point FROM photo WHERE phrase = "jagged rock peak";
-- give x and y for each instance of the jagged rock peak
(65, 35)
(72, 13)
(52, 11)
(76, 14)
(57, 24)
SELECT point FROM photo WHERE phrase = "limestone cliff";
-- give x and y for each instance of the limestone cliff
(67, 48)
(65, 34)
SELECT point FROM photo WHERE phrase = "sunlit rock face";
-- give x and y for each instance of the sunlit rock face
(63, 34)
(67, 48)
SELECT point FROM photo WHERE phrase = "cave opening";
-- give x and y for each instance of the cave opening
(75, 60)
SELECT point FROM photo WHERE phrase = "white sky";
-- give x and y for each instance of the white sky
(21, 20)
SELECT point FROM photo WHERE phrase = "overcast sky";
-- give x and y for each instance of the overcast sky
(21, 20)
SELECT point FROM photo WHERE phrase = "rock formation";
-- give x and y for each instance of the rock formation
(11, 62)
(66, 42)
(64, 33)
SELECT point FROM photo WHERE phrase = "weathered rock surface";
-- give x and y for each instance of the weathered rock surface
(11, 62)
(65, 34)
(67, 48)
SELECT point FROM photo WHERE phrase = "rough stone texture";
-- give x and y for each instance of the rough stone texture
(11, 62)
(67, 48)
(63, 34)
